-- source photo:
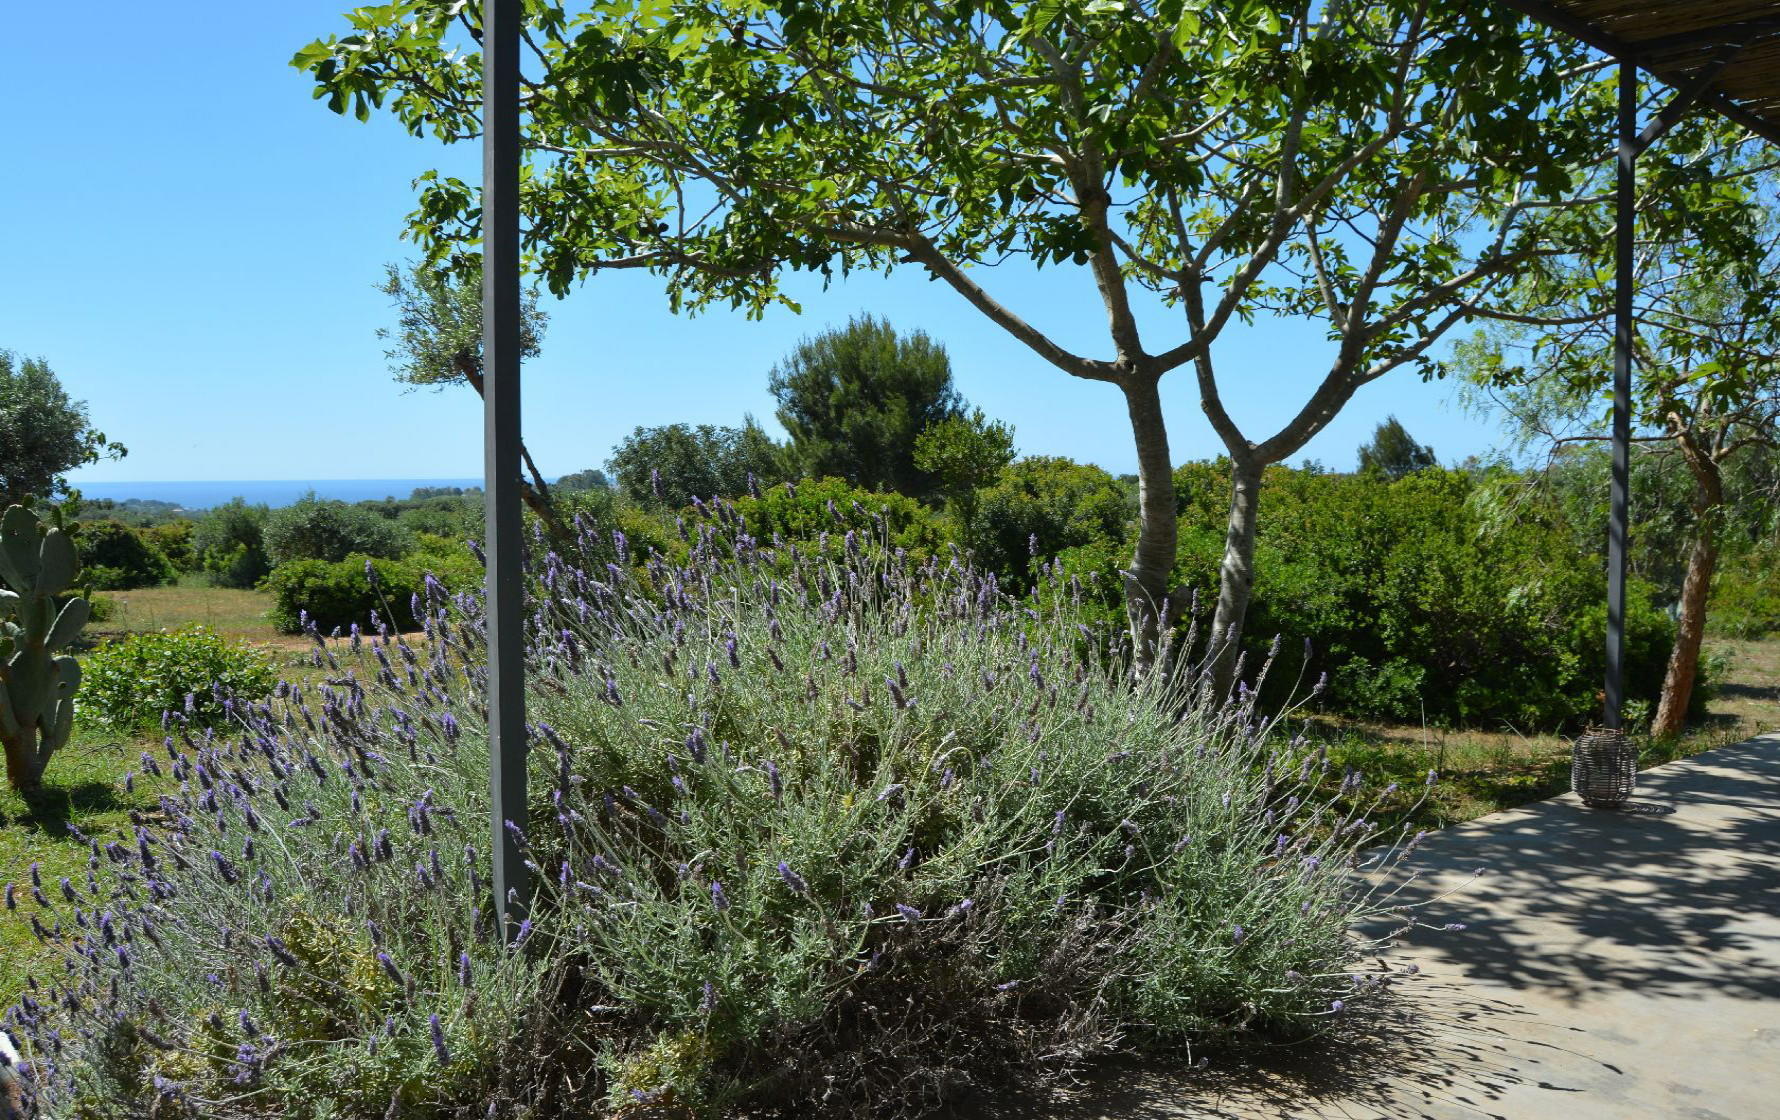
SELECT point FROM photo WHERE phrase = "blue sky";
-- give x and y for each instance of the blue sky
(193, 244)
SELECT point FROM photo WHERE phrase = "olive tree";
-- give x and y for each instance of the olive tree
(438, 342)
(1372, 165)
(44, 433)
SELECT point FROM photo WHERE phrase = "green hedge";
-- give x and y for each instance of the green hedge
(1432, 597)
(339, 594)
(115, 557)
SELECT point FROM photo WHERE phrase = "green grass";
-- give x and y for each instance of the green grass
(84, 787)
(229, 612)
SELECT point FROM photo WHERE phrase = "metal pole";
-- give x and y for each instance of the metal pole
(1618, 516)
(500, 442)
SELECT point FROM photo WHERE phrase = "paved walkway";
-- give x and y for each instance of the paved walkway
(1615, 966)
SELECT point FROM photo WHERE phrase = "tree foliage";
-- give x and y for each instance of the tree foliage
(855, 399)
(329, 531)
(1706, 357)
(673, 464)
(229, 543)
(1040, 506)
(44, 433)
(438, 334)
(1393, 452)
(963, 454)
(1383, 168)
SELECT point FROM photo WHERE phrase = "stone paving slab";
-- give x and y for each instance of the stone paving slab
(1615, 966)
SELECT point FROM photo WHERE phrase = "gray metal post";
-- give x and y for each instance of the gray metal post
(500, 441)
(1618, 517)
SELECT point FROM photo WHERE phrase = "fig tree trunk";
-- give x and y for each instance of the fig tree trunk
(1236, 575)
(1152, 561)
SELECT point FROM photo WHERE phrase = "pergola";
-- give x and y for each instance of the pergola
(1720, 55)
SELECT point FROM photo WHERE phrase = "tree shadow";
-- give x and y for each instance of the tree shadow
(49, 810)
(1656, 897)
(1732, 690)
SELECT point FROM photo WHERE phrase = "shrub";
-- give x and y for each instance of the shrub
(173, 539)
(229, 543)
(1052, 502)
(670, 466)
(806, 510)
(1442, 595)
(114, 557)
(602, 516)
(1746, 596)
(330, 531)
(825, 837)
(344, 594)
(128, 683)
(458, 518)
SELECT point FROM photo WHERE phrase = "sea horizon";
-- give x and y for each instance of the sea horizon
(199, 494)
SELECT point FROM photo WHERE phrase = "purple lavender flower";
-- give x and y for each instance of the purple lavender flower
(707, 1001)
(909, 913)
(390, 969)
(436, 1030)
(793, 879)
(718, 898)
(280, 951)
(224, 868)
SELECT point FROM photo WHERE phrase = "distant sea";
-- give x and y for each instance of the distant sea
(271, 492)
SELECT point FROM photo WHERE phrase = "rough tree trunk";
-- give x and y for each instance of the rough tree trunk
(1147, 586)
(1690, 628)
(1236, 576)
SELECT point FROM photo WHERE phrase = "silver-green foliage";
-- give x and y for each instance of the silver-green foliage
(820, 828)
(37, 566)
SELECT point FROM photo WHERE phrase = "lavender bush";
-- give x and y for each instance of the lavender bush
(815, 828)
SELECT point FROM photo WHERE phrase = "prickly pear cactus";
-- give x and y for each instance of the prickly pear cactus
(37, 564)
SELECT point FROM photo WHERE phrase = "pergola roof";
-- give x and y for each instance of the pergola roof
(1681, 41)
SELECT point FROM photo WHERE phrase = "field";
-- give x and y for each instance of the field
(1481, 771)
(231, 613)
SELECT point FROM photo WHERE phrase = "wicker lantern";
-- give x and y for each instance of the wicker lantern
(1603, 768)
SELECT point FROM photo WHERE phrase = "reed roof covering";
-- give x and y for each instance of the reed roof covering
(1677, 41)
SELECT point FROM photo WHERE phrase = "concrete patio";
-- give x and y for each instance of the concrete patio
(1615, 965)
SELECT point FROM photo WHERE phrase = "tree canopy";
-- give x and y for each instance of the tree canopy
(44, 433)
(1393, 452)
(964, 454)
(854, 399)
(1706, 360)
(1385, 168)
(673, 464)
